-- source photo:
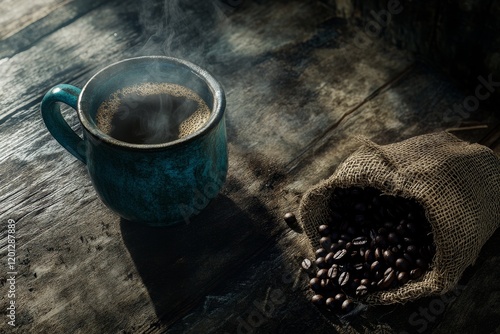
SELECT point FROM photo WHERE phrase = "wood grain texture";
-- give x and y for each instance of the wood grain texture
(297, 89)
(16, 17)
(460, 38)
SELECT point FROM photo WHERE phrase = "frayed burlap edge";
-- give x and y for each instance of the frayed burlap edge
(457, 183)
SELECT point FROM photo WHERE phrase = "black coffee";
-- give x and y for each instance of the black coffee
(152, 113)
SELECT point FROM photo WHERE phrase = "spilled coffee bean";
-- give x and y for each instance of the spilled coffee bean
(373, 242)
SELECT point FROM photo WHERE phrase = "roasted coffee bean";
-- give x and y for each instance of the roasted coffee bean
(324, 230)
(389, 257)
(361, 291)
(359, 267)
(412, 227)
(315, 284)
(403, 277)
(354, 254)
(402, 264)
(347, 306)
(369, 256)
(320, 252)
(341, 243)
(340, 255)
(408, 241)
(401, 230)
(325, 242)
(416, 273)
(325, 284)
(320, 262)
(408, 258)
(318, 299)
(329, 258)
(330, 303)
(388, 271)
(379, 254)
(381, 241)
(349, 246)
(346, 236)
(389, 277)
(344, 279)
(421, 263)
(365, 282)
(333, 272)
(306, 264)
(412, 250)
(335, 247)
(375, 266)
(322, 273)
(373, 234)
(360, 241)
(393, 238)
(339, 298)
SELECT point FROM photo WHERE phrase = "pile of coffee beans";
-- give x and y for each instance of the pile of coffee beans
(372, 242)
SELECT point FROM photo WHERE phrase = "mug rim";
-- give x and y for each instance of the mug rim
(216, 112)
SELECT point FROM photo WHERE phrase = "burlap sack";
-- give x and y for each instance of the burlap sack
(457, 183)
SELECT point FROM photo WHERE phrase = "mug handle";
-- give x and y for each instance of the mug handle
(58, 128)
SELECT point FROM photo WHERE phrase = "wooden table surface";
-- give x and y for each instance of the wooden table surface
(298, 88)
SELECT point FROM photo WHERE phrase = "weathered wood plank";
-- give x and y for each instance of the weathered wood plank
(16, 17)
(55, 17)
(458, 37)
(285, 88)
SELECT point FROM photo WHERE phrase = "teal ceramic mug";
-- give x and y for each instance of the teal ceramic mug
(157, 184)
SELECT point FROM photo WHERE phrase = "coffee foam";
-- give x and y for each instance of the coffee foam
(195, 121)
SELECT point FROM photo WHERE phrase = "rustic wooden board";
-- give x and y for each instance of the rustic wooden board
(15, 17)
(295, 96)
(384, 120)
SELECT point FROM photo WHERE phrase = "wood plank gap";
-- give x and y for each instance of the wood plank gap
(290, 166)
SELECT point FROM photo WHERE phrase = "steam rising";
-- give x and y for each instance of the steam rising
(183, 28)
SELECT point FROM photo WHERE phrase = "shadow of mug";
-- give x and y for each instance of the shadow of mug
(178, 265)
